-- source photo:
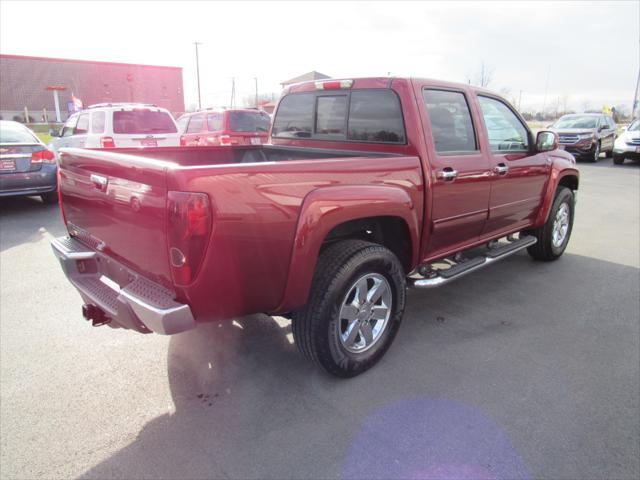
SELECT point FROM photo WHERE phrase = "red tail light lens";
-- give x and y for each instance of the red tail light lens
(43, 156)
(189, 226)
(228, 140)
(183, 141)
(107, 142)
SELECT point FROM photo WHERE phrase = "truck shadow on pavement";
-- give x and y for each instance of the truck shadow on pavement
(487, 375)
(27, 219)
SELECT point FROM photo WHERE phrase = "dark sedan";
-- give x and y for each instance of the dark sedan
(26, 166)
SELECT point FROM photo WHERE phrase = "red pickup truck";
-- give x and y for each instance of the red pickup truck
(366, 187)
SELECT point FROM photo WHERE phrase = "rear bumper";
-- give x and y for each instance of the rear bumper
(136, 303)
(29, 183)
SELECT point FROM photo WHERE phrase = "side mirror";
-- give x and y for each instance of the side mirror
(54, 133)
(546, 141)
(602, 127)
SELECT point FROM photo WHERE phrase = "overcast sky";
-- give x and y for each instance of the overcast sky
(584, 53)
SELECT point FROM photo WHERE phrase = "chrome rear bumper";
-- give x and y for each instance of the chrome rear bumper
(136, 303)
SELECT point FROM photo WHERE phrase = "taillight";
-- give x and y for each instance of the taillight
(183, 141)
(107, 142)
(64, 216)
(189, 225)
(43, 156)
(228, 140)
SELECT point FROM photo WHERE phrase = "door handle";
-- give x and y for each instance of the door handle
(501, 169)
(447, 174)
(99, 182)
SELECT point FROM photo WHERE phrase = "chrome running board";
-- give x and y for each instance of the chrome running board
(439, 277)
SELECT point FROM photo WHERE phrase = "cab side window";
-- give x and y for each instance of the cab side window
(69, 125)
(505, 131)
(450, 118)
(83, 125)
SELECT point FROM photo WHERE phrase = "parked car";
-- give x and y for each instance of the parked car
(366, 186)
(110, 125)
(586, 135)
(27, 167)
(628, 144)
(224, 127)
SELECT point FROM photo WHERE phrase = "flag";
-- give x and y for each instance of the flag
(77, 103)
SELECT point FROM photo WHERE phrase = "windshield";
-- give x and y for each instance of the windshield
(249, 122)
(143, 121)
(10, 133)
(577, 122)
(635, 126)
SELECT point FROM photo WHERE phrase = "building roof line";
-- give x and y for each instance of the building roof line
(71, 60)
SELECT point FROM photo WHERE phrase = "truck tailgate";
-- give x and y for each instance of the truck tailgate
(116, 203)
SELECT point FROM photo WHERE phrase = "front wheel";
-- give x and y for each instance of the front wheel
(595, 153)
(618, 159)
(49, 198)
(355, 308)
(554, 235)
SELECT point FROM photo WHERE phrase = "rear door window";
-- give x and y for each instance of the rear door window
(506, 132)
(142, 121)
(97, 122)
(214, 122)
(450, 118)
(375, 116)
(195, 125)
(83, 125)
(248, 122)
(182, 123)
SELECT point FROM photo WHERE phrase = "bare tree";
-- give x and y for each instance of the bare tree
(483, 77)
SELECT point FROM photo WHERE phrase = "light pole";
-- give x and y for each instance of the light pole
(256, 79)
(198, 74)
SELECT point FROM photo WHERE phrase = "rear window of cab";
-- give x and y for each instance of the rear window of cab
(356, 115)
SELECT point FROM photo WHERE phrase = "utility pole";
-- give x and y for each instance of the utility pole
(198, 74)
(520, 101)
(233, 90)
(256, 79)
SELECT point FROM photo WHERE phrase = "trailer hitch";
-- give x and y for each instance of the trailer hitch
(95, 315)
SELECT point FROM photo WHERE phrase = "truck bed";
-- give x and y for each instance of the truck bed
(116, 201)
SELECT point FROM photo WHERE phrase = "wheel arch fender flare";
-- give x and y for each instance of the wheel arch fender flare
(559, 176)
(324, 209)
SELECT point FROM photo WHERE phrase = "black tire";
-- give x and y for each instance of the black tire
(544, 249)
(316, 327)
(594, 156)
(618, 159)
(609, 153)
(49, 198)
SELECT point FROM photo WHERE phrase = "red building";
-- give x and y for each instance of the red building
(24, 82)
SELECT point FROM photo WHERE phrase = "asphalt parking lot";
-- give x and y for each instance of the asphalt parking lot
(522, 370)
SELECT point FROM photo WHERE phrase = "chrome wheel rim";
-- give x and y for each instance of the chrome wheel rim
(364, 313)
(560, 225)
(596, 153)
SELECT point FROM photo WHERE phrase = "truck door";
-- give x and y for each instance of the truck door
(460, 173)
(519, 175)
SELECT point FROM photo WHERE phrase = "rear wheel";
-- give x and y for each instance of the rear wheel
(554, 235)
(618, 159)
(355, 308)
(49, 198)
